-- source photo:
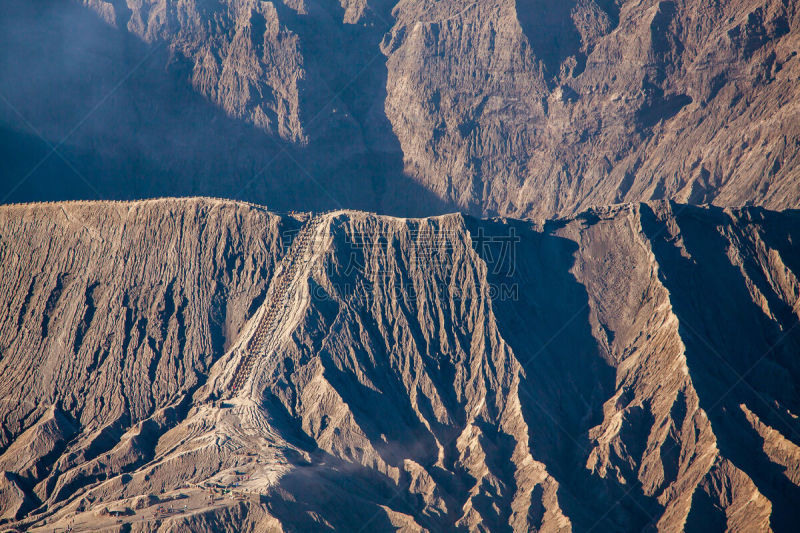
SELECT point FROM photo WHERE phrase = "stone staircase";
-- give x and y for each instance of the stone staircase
(264, 335)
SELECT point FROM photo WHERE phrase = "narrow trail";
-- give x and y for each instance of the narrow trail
(264, 336)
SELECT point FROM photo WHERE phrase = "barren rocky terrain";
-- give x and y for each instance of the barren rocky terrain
(502, 107)
(628, 368)
(483, 265)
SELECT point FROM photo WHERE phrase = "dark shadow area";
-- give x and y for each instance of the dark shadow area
(662, 38)
(567, 378)
(704, 516)
(132, 126)
(551, 32)
(343, 99)
(370, 357)
(494, 505)
(781, 232)
(347, 495)
(735, 353)
(658, 106)
(383, 410)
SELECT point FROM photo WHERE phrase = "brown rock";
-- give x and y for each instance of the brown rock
(426, 374)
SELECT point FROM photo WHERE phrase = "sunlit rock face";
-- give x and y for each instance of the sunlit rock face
(628, 368)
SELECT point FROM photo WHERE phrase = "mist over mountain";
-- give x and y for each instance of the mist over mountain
(514, 108)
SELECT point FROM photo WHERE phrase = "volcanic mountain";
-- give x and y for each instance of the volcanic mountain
(209, 365)
(516, 108)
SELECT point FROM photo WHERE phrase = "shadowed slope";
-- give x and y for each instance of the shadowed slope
(403, 387)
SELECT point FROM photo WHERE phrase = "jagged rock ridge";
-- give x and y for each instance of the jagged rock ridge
(514, 108)
(427, 374)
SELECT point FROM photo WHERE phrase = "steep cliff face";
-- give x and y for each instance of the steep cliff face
(237, 99)
(558, 106)
(514, 108)
(119, 311)
(421, 374)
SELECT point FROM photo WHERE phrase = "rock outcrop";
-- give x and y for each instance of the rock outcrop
(512, 108)
(629, 368)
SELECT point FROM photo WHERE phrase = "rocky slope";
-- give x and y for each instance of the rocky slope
(631, 368)
(506, 107)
